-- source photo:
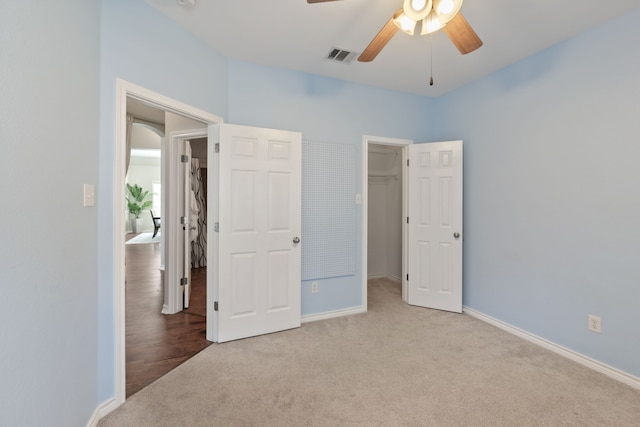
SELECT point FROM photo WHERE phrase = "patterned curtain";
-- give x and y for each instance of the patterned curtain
(199, 244)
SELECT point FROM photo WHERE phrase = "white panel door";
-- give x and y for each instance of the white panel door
(259, 231)
(435, 225)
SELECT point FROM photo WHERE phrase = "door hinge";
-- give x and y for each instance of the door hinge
(217, 147)
(216, 227)
(184, 281)
(215, 306)
(184, 158)
(407, 220)
(183, 220)
(407, 277)
(407, 162)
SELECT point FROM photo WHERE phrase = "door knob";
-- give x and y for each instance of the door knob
(296, 240)
(456, 235)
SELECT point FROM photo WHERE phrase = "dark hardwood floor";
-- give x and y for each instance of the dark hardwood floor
(157, 343)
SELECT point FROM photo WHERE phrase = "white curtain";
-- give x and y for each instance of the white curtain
(199, 244)
(129, 128)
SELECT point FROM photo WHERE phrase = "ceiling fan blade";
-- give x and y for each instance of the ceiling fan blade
(380, 40)
(462, 35)
(319, 1)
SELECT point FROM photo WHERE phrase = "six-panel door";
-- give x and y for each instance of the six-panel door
(259, 221)
(435, 225)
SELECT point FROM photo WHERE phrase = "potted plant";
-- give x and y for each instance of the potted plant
(138, 200)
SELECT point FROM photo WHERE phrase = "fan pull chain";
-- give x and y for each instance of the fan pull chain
(431, 58)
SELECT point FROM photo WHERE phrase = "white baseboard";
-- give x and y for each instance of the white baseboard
(597, 366)
(333, 314)
(101, 411)
(394, 278)
(384, 276)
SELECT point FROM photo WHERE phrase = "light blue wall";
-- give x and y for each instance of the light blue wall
(331, 111)
(49, 104)
(142, 46)
(323, 109)
(551, 183)
(552, 195)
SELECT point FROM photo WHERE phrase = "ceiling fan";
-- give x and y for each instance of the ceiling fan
(433, 16)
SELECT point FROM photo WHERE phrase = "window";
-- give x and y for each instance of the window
(156, 189)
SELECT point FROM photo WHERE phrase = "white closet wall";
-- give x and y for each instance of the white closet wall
(385, 212)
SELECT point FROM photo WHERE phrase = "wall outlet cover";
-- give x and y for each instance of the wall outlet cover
(595, 324)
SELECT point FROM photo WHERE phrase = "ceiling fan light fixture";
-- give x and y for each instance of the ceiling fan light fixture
(446, 9)
(445, 6)
(418, 4)
(431, 24)
(405, 24)
(417, 10)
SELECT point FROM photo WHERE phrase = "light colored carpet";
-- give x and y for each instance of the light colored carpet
(396, 365)
(144, 238)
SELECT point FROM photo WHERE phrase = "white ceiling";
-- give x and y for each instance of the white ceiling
(294, 35)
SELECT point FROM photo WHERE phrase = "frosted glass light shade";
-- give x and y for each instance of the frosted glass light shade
(417, 10)
(431, 24)
(405, 24)
(446, 9)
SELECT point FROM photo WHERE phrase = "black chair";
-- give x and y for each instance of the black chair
(156, 223)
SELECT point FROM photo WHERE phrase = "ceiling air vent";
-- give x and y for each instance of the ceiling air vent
(340, 55)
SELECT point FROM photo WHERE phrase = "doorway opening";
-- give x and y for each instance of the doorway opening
(384, 212)
(127, 92)
(195, 300)
(156, 341)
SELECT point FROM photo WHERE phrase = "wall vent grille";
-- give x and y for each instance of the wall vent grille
(340, 55)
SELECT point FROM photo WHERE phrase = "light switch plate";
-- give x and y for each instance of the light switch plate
(89, 195)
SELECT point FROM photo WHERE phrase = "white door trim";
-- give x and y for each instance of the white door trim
(380, 140)
(126, 89)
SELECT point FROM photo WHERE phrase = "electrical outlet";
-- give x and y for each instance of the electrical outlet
(314, 287)
(595, 324)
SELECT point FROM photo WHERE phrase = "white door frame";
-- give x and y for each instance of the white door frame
(126, 89)
(380, 140)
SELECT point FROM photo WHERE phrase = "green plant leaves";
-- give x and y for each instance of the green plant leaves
(139, 200)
